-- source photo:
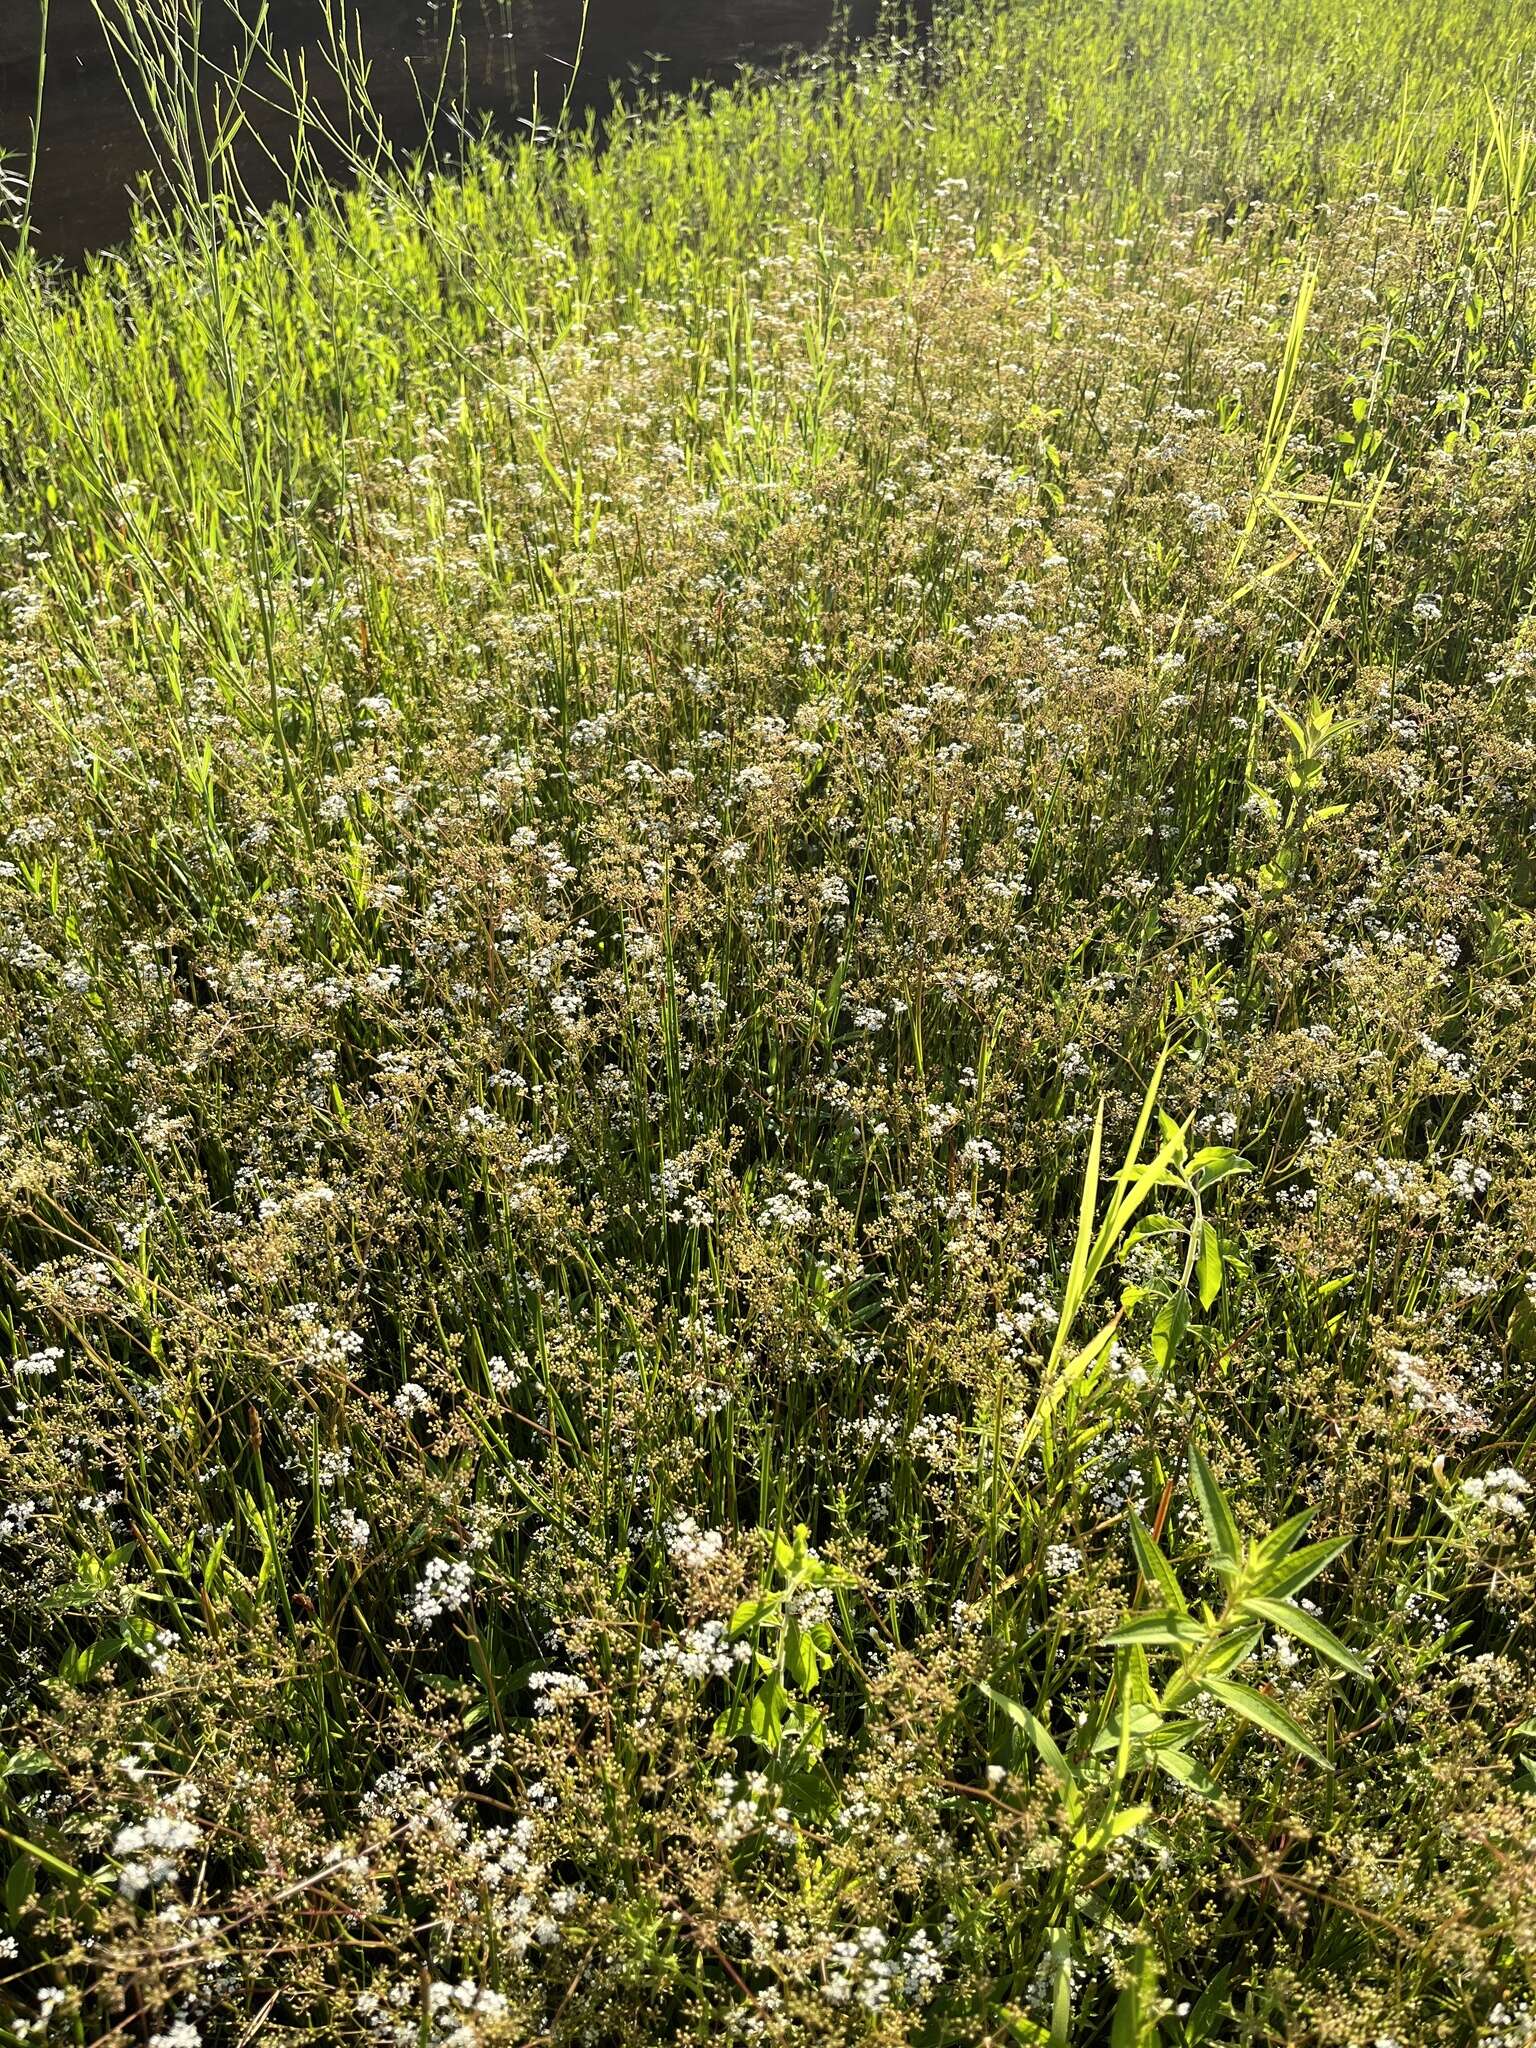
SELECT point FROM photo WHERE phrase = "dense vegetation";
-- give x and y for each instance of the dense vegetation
(765, 976)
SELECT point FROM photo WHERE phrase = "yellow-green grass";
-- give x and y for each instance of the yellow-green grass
(765, 947)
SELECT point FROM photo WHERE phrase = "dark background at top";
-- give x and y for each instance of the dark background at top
(92, 150)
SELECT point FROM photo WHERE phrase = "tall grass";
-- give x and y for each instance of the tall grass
(766, 1183)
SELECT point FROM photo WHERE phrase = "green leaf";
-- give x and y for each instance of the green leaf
(1173, 1137)
(1038, 1733)
(1282, 1541)
(806, 1652)
(1155, 1568)
(1215, 1163)
(1207, 2008)
(1061, 1996)
(1185, 1770)
(1024, 2029)
(754, 1612)
(25, 1763)
(19, 1882)
(1146, 1724)
(1262, 1711)
(1306, 1628)
(765, 1717)
(1289, 1575)
(1231, 1651)
(1134, 2024)
(79, 1666)
(1155, 1225)
(1157, 1631)
(1125, 1820)
(1168, 1329)
(1208, 1267)
(1078, 1274)
(1220, 1524)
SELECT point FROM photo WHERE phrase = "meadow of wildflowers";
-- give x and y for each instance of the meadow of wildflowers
(767, 1188)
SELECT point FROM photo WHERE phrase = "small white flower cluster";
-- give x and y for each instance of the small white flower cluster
(1453, 1065)
(323, 1346)
(1501, 1492)
(1398, 1181)
(554, 1689)
(1508, 2027)
(1468, 1286)
(49, 1999)
(1031, 1313)
(934, 1438)
(680, 1199)
(1469, 1181)
(502, 1856)
(1202, 515)
(866, 1972)
(879, 1428)
(465, 1997)
(444, 1585)
(791, 1210)
(704, 1652)
(312, 1200)
(1062, 1560)
(506, 1378)
(151, 1848)
(746, 1806)
(38, 1365)
(452, 2010)
(352, 1532)
(691, 1548)
(1412, 1383)
(179, 2034)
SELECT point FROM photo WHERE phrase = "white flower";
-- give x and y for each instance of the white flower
(444, 1585)
(691, 1548)
(1501, 1491)
(153, 1845)
(38, 1365)
(554, 1688)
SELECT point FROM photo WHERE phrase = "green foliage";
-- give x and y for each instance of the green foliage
(1260, 1582)
(766, 933)
(791, 1641)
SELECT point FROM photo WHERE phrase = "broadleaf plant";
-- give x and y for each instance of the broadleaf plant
(1261, 1580)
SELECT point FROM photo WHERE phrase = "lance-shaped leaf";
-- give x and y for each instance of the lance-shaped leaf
(1306, 1628)
(1169, 1629)
(1282, 1541)
(1262, 1711)
(1220, 1523)
(1285, 1579)
(1233, 1649)
(1155, 1568)
(1041, 1738)
(1208, 1267)
(1185, 1770)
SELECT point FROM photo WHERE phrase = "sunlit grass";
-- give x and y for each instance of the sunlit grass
(766, 1054)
